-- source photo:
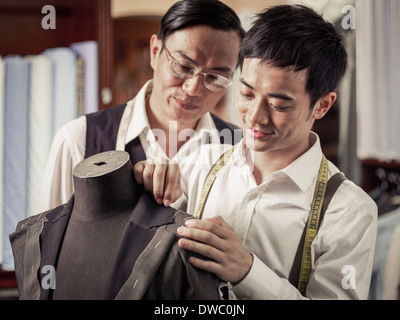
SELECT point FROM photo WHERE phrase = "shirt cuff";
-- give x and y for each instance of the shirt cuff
(180, 203)
(261, 283)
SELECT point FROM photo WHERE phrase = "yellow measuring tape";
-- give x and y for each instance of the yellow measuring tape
(312, 225)
(210, 180)
(313, 217)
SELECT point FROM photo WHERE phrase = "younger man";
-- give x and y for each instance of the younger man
(292, 61)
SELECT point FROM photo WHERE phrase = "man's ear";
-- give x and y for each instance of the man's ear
(155, 48)
(323, 105)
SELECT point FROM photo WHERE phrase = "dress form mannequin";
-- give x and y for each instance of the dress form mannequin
(104, 199)
(110, 241)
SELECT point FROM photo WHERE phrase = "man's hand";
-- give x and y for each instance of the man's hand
(216, 240)
(162, 178)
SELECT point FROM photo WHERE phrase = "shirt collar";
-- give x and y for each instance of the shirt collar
(206, 122)
(139, 121)
(302, 171)
(147, 213)
(206, 127)
(305, 168)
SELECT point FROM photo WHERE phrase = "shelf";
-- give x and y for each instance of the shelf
(8, 285)
(76, 21)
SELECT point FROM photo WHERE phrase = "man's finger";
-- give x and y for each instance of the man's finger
(138, 171)
(160, 171)
(172, 188)
(202, 236)
(221, 222)
(148, 176)
(200, 248)
(207, 265)
(210, 226)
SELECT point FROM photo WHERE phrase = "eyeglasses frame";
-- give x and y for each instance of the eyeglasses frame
(196, 69)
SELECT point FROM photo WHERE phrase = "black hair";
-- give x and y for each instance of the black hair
(296, 36)
(189, 13)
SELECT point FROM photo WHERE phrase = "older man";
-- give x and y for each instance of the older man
(193, 57)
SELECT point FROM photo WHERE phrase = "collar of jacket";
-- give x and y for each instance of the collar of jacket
(148, 214)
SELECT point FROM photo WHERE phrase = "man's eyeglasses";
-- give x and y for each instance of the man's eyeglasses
(186, 70)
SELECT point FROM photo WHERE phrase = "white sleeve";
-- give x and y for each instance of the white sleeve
(67, 150)
(391, 284)
(262, 283)
(341, 266)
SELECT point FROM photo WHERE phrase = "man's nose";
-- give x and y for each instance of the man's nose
(258, 113)
(193, 86)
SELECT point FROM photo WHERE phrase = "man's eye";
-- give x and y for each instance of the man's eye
(245, 96)
(212, 77)
(185, 68)
(280, 109)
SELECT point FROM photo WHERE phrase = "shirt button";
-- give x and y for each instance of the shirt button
(252, 196)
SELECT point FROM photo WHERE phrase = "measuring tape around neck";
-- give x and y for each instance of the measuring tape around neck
(210, 180)
(124, 125)
(312, 225)
(313, 218)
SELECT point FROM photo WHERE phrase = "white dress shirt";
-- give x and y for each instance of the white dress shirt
(271, 217)
(69, 143)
